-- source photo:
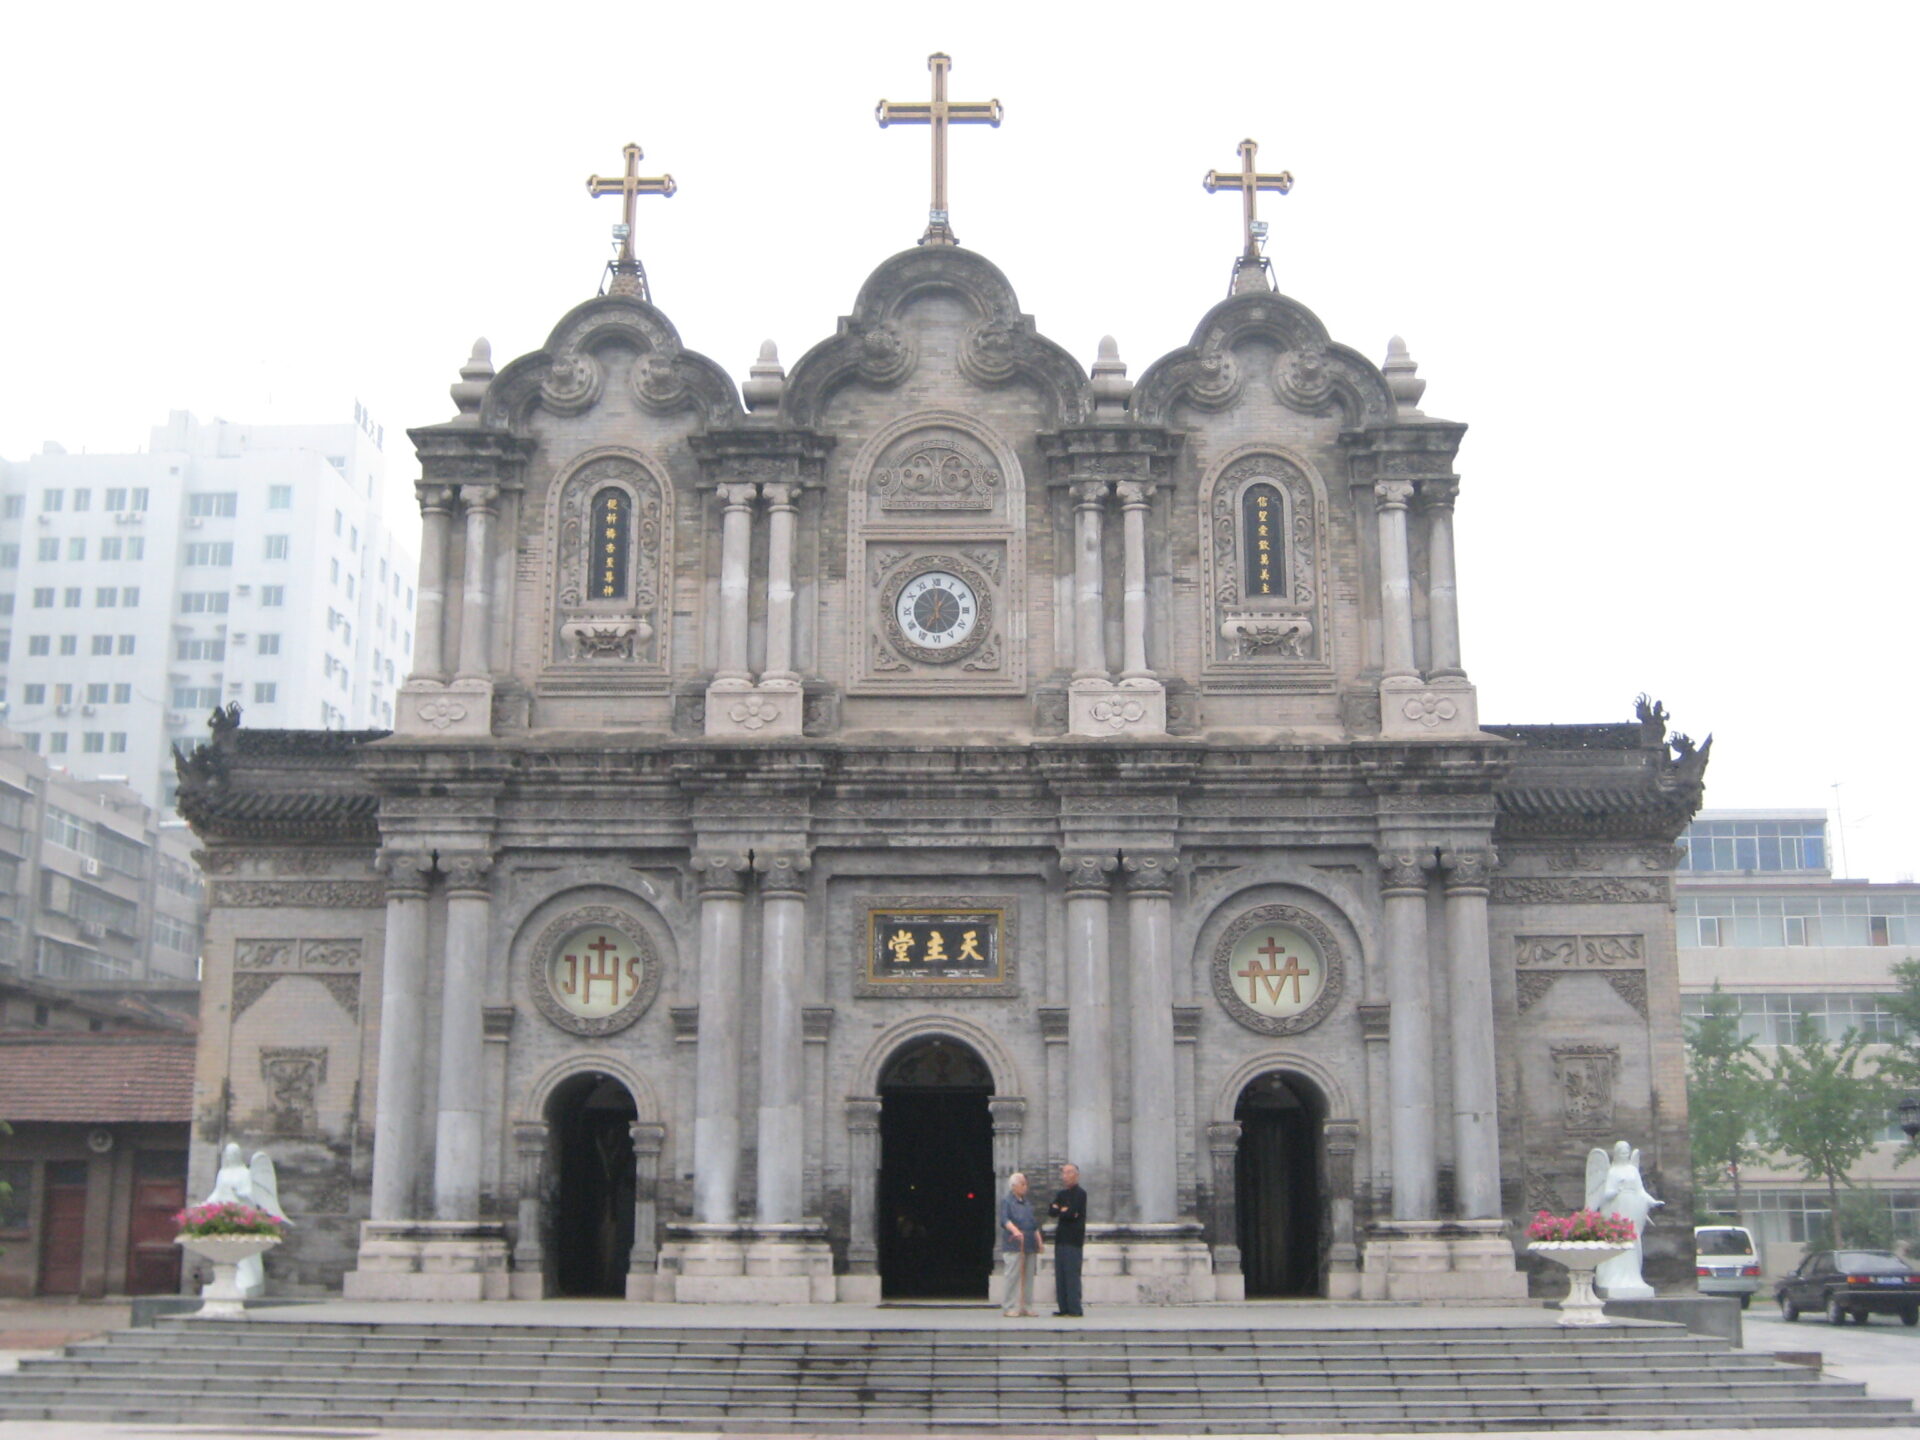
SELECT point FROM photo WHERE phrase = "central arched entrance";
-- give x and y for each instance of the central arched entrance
(1279, 1188)
(936, 1172)
(590, 1230)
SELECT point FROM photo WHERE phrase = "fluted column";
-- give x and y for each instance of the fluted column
(781, 1157)
(1089, 1017)
(403, 1010)
(1443, 601)
(530, 1141)
(1089, 603)
(1410, 1036)
(1223, 1150)
(863, 1183)
(1150, 1000)
(476, 641)
(1476, 1118)
(1134, 498)
(1396, 584)
(716, 1102)
(648, 1138)
(736, 544)
(458, 1144)
(430, 603)
(780, 522)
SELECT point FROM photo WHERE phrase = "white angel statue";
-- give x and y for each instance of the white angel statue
(1615, 1187)
(248, 1184)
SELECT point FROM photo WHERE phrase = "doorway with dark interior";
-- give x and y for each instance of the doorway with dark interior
(937, 1186)
(1279, 1194)
(591, 1193)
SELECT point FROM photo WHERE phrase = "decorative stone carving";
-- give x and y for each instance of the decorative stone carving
(612, 639)
(573, 383)
(1089, 872)
(1405, 871)
(939, 475)
(1579, 890)
(1270, 633)
(630, 970)
(467, 873)
(298, 894)
(1586, 1074)
(264, 954)
(886, 356)
(590, 627)
(1303, 379)
(294, 1075)
(1279, 1000)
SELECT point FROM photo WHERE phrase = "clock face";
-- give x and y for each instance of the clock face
(937, 609)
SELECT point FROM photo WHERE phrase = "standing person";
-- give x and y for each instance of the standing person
(1019, 1243)
(1069, 1210)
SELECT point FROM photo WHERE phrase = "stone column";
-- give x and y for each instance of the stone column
(1396, 584)
(403, 1010)
(1090, 645)
(736, 543)
(458, 1141)
(530, 1141)
(716, 1104)
(1410, 1042)
(1134, 498)
(1223, 1149)
(863, 1184)
(1443, 602)
(430, 606)
(1150, 999)
(1090, 1018)
(780, 522)
(475, 636)
(1343, 1139)
(1476, 1119)
(648, 1138)
(1009, 1114)
(781, 1169)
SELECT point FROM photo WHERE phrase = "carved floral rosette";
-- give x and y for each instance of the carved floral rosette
(1265, 638)
(1316, 930)
(540, 958)
(623, 635)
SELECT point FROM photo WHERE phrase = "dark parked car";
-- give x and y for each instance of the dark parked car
(1855, 1283)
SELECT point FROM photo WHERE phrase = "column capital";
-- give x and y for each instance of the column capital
(738, 495)
(1009, 1113)
(1405, 871)
(1439, 493)
(1134, 494)
(1089, 873)
(467, 874)
(720, 872)
(434, 499)
(1393, 494)
(780, 495)
(1466, 871)
(1223, 1137)
(1149, 872)
(783, 872)
(1090, 494)
(479, 499)
(530, 1137)
(863, 1113)
(407, 872)
(647, 1136)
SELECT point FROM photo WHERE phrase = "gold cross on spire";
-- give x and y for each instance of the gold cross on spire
(628, 277)
(940, 112)
(1249, 182)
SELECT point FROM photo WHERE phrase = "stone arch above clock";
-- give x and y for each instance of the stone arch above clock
(935, 505)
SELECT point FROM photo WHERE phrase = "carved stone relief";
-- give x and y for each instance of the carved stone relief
(1586, 1074)
(1578, 890)
(591, 630)
(294, 1075)
(938, 473)
(1264, 637)
(1269, 982)
(1620, 960)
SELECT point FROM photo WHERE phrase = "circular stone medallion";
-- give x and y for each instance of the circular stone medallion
(1277, 969)
(594, 971)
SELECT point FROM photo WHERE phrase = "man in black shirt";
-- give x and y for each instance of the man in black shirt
(1069, 1210)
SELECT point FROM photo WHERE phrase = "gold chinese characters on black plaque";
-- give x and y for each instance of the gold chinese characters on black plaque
(956, 949)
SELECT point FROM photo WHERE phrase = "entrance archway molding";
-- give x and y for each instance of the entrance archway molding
(1006, 1075)
(1213, 903)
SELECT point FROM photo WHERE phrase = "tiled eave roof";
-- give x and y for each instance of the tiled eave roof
(87, 1079)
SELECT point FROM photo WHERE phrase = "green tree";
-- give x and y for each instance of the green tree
(1900, 1065)
(1826, 1109)
(1727, 1097)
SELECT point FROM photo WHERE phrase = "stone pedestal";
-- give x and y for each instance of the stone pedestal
(1106, 708)
(1138, 1264)
(430, 1260)
(772, 708)
(1438, 709)
(1463, 1260)
(747, 1265)
(452, 710)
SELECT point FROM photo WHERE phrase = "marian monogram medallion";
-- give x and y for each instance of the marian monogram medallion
(1278, 970)
(593, 971)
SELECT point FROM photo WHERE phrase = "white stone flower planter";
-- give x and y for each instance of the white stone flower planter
(1582, 1258)
(221, 1297)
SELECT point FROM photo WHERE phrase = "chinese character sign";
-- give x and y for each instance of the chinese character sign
(594, 972)
(934, 945)
(1276, 971)
(607, 565)
(1261, 525)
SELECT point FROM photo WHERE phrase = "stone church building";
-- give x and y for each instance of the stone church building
(817, 798)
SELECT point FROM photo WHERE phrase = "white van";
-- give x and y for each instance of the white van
(1726, 1262)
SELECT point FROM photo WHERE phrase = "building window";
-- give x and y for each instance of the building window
(33, 741)
(280, 497)
(110, 547)
(1766, 922)
(52, 501)
(71, 597)
(69, 644)
(136, 547)
(210, 552)
(57, 743)
(35, 694)
(6, 603)
(97, 694)
(277, 547)
(1773, 1018)
(126, 645)
(192, 697)
(48, 549)
(77, 548)
(123, 694)
(1763, 845)
(9, 557)
(103, 645)
(220, 506)
(273, 595)
(130, 596)
(201, 650)
(333, 571)
(16, 506)
(203, 602)
(338, 521)
(117, 743)
(43, 597)
(106, 596)
(264, 692)
(116, 497)
(267, 644)
(94, 742)
(139, 498)
(83, 499)
(39, 645)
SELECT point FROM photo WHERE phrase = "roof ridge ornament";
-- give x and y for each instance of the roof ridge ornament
(938, 113)
(626, 274)
(1251, 272)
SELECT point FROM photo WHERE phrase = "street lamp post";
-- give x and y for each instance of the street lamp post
(1910, 1115)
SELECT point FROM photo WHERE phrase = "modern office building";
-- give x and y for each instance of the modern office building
(1762, 913)
(228, 562)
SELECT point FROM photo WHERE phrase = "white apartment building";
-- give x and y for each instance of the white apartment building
(229, 562)
(1761, 912)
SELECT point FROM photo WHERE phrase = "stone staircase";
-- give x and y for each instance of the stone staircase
(249, 1374)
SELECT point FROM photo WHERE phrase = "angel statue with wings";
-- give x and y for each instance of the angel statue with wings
(1614, 1187)
(253, 1184)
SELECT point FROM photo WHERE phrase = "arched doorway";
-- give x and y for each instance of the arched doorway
(1278, 1186)
(936, 1172)
(590, 1219)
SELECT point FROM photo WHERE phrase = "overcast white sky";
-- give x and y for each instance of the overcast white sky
(1659, 257)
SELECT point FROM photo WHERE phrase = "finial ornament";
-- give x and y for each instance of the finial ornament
(766, 380)
(628, 277)
(938, 113)
(1407, 387)
(471, 388)
(1250, 270)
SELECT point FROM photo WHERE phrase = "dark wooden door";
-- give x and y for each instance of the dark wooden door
(63, 1227)
(159, 1193)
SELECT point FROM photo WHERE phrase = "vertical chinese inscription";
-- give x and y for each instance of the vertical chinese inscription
(1261, 513)
(613, 521)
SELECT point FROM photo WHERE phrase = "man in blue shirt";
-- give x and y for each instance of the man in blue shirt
(1019, 1244)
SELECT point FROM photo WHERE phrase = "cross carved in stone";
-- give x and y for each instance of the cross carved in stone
(939, 113)
(1249, 182)
(630, 187)
(1274, 976)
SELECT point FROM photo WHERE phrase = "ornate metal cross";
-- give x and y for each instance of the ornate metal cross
(939, 113)
(628, 279)
(1249, 182)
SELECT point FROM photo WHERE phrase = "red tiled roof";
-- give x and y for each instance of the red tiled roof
(96, 1079)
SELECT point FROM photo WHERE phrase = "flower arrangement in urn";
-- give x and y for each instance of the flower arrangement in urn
(228, 1217)
(231, 1234)
(1581, 1227)
(1582, 1242)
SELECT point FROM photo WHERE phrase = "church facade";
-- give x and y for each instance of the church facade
(817, 799)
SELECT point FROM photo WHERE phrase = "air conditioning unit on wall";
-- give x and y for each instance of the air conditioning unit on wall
(90, 866)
